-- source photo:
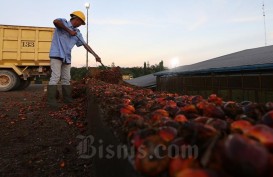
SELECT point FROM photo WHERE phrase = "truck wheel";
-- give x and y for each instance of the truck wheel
(23, 84)
(8, 80)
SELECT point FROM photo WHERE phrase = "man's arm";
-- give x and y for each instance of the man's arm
(59, 24)
(89, 49)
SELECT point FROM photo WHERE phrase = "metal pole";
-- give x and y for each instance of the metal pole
(87, 38)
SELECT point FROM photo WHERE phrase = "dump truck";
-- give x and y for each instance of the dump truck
(24, 55)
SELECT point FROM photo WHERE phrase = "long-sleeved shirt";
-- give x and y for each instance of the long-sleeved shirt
(62, 42)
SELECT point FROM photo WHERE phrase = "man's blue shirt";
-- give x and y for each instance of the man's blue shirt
(62, 42)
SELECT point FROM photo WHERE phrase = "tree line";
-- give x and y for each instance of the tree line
(79, 73)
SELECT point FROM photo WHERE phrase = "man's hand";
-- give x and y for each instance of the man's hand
(98, 59)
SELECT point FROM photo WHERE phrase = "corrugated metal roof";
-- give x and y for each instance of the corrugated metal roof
(250, 59)
(143, 81)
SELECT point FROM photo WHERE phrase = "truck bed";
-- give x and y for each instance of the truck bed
(25, 45)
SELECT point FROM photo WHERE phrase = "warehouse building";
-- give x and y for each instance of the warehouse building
(244, 75)
(147, 81)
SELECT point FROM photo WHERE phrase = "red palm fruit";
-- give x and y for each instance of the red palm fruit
(198, 134)
(171, 103)
(152, 157)
(107, 93)
(127, 109)
(267, 119)
(245, 157)
(232, 109)
(195, 173)
(172, 110)
(139, 136)
(218, 124)
(137, 140)
(134, 121)
(149, 104)
(190, 108)
(130, 135)
(262, 133)
(179, 164)
(243, 117)
(253, 111)
(162, 121)
(196, 99)
(240, 126)
(201, 105)
(213, 111)
(126, 101)
(171, 123)
(167, 133)
(131, 117)
(229, 120)
(141, 110)
(180, 104)
(158, 114)
(184, 98)
(178, 146)
(181, 118)
(162, 101)
(215, 99)
(201, 120)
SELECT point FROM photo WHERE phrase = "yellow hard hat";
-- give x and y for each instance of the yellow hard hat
(79, 14)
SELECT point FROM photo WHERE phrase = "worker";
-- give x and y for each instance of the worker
(66, 36)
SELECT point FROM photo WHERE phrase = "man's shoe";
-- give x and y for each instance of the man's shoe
(67, 91)
(51, 96)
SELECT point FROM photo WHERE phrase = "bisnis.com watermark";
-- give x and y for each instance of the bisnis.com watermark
(86, 149)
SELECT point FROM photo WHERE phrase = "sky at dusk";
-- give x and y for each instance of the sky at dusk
(131, 32)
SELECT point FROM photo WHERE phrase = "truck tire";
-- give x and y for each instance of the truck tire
(18, 82)
(23, 84)
(8, 80)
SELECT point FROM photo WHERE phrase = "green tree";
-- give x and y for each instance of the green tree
(78, 73)
(161, 66)
(145, 68)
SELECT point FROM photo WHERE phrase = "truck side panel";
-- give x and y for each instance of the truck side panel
(24, 45)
